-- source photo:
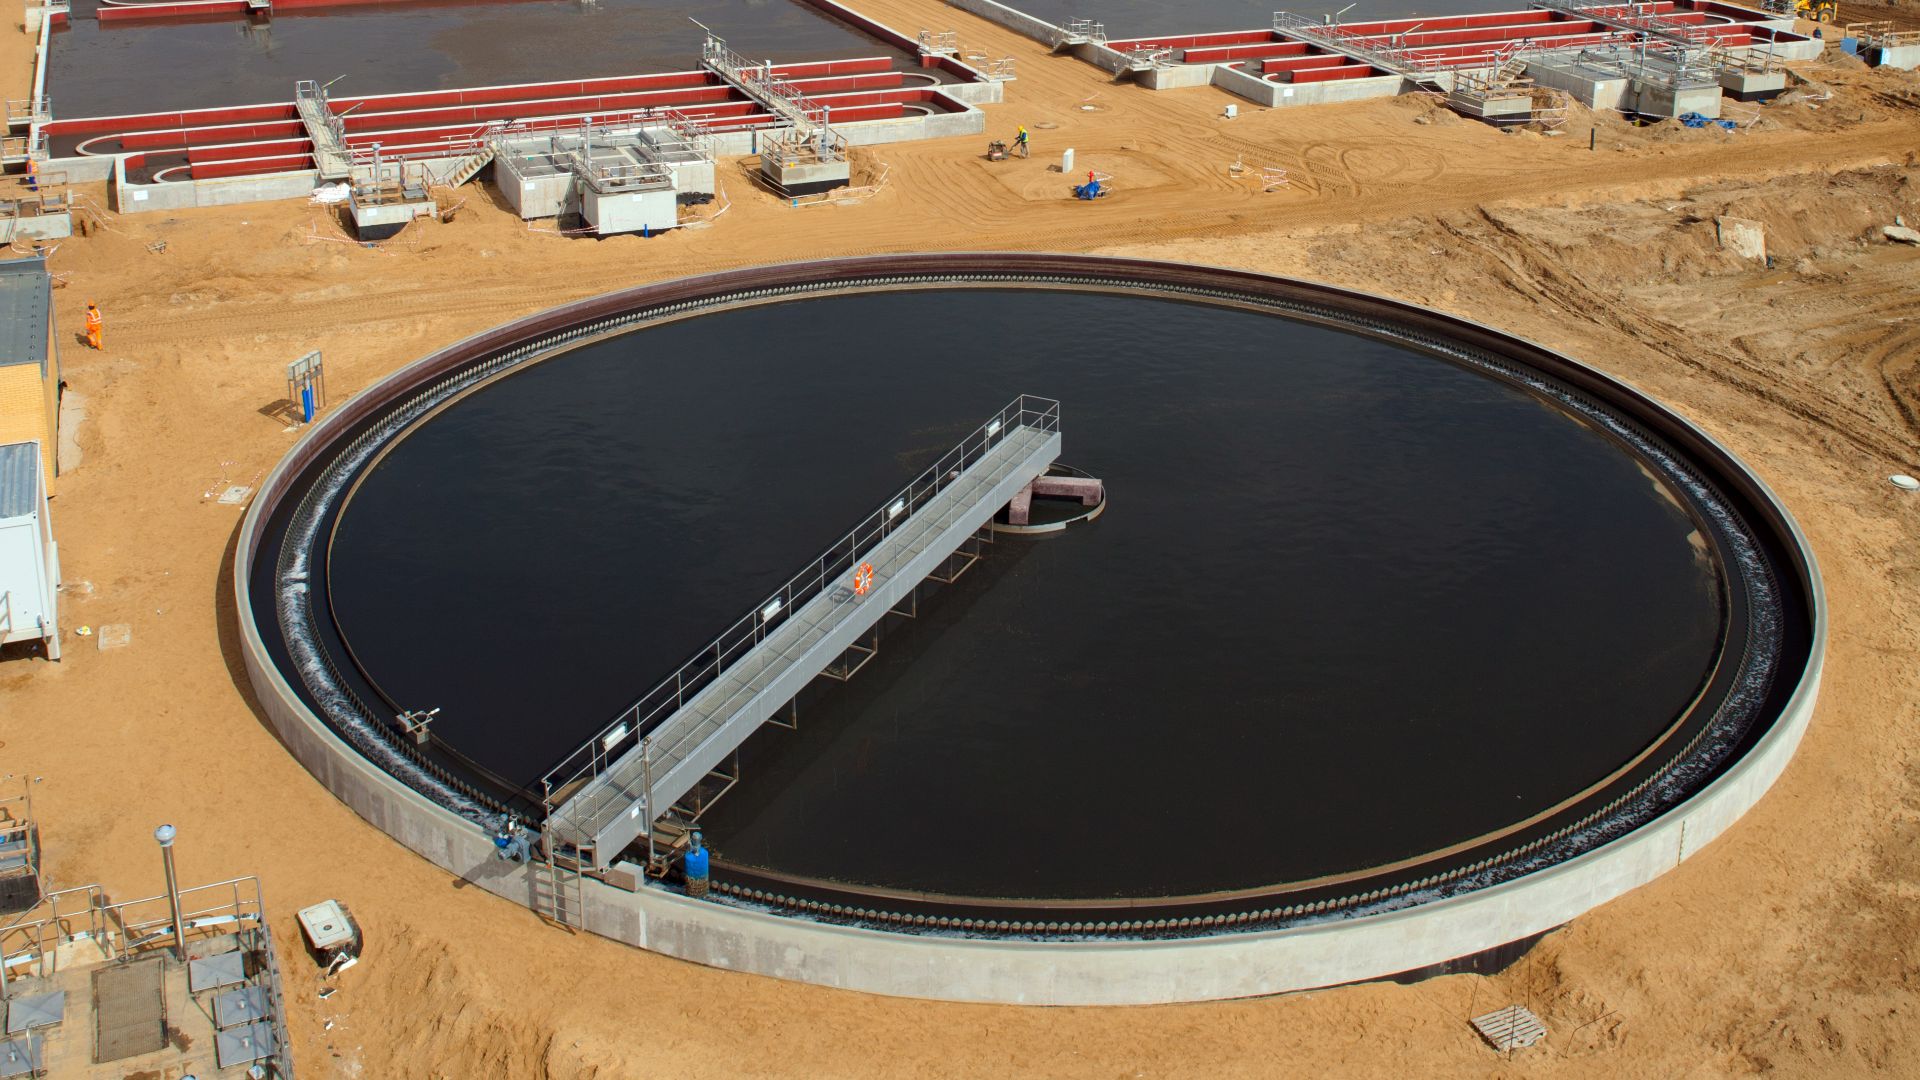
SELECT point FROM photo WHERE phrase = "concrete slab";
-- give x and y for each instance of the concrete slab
(53, 226)
(73, 413)
(1745, 238)
(114, 636)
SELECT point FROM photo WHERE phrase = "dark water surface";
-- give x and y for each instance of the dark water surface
(1350, 602)
(137, 67)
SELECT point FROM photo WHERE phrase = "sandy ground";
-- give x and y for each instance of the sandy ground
(1903, 14)
(1790, 946)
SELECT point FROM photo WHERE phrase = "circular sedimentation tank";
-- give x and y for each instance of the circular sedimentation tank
(1405, 640)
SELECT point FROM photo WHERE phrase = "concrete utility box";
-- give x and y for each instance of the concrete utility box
(1495, 106)
(536, 182)
(616, 180)
(385, 201)
(1905, 57)
(327, 926)
(1753, 85)
(805, 175)
(29, 561)
(1664, 102)
(614, 212)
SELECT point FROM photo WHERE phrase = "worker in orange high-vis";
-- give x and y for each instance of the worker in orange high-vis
(96, 326)
(33, 175)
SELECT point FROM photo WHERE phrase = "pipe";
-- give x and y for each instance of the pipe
(164, 834)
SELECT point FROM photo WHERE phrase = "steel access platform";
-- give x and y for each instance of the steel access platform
(611, 793)
(324, 128)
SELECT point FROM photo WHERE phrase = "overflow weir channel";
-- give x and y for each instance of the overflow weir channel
(1409, 640)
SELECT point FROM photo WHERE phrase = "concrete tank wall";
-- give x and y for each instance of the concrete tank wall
(1019, 22)
(132, 198)
(1334, 951)
(1904, 57)
(1283, 95)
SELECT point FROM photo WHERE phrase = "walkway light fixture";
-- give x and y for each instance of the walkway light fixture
(614, 738)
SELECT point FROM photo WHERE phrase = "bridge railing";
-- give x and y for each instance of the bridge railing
(1388, 52)
(781, 96)
(831, 568)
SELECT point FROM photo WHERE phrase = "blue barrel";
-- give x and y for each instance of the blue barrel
(695, 867)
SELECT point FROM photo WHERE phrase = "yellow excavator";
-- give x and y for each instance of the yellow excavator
(1825, 11)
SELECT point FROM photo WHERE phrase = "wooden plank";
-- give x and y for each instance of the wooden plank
(1514, 1027)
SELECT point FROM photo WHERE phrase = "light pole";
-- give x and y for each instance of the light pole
(164, 834)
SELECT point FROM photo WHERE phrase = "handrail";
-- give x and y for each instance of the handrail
(1643, 18)
(672, 693)
(119, 935)
(805, 114)
(1364, 47)
(241, 906)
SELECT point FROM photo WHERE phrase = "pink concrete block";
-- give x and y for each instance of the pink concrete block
(1020, 510)
(1087, 490)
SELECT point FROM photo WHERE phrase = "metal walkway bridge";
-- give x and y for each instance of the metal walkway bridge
(325, 128)
(807, 117)
(610, 793)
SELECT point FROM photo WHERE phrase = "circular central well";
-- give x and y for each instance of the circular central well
(1355, 605)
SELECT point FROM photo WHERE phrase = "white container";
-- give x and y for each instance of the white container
(29, 561)
(330, 930)
(1066, 161)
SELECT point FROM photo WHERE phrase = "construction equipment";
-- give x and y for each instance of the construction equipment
(1825, 11)
(997, 150)
(1094, 188)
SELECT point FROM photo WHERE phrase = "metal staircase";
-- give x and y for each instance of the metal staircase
(559, 888)
(469, 167)
(325, 128)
